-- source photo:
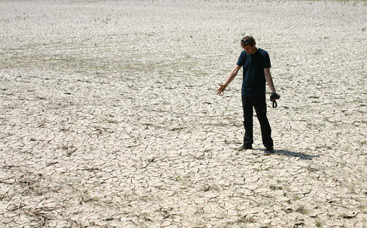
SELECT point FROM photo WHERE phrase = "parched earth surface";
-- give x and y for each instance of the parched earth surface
(109, 117)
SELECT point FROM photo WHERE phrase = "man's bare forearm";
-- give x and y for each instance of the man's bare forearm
(269, 80)
(232, 75)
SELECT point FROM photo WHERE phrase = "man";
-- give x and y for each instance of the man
(256, 73)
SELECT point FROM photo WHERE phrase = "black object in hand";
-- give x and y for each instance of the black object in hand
(274, 96)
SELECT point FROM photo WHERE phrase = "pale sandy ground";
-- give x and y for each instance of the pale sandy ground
(108, 115)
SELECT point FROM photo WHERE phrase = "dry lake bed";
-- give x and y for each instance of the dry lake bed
(109, 117)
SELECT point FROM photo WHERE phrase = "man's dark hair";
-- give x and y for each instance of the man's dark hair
(248, 40)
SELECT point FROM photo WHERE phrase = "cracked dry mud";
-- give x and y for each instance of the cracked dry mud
(109, 118)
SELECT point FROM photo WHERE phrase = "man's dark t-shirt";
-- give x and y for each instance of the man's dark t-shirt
(253, 72)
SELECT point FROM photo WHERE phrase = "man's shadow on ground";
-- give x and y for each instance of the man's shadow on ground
(288, 153)
(301, 156)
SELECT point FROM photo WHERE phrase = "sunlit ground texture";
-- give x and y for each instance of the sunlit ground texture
(109, 117)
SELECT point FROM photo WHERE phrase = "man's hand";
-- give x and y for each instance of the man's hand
(274, 96)
(221, 89)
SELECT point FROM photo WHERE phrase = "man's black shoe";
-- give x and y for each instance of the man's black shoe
(269, 150)
(245, 147)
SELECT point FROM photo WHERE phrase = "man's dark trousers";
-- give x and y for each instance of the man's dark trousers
(259, 103)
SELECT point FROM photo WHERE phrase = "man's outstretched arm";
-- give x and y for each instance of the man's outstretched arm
(231, 76)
